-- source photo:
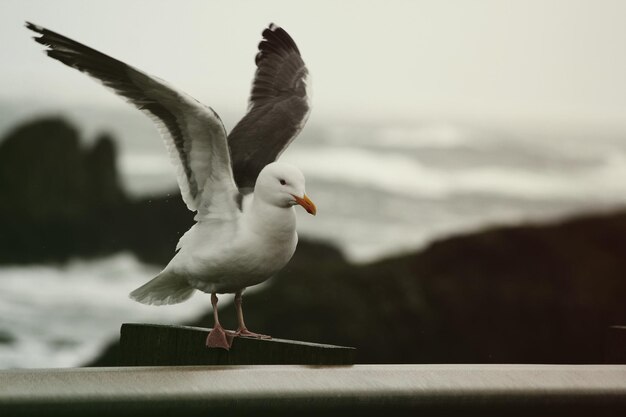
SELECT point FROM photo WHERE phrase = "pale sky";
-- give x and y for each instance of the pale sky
(551, 61)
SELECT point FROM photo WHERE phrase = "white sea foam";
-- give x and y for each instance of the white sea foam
(146, 164)
(427, 135)
(63, 316)
(147, 173)
(431, 135)
(395, 172)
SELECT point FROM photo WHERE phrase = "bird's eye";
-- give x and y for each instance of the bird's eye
(283, 182)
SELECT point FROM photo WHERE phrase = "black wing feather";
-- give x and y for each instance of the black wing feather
(278, 107)
(118, 76)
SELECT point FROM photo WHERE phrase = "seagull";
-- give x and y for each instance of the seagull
(245, 222)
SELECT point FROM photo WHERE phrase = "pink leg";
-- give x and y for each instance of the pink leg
(217, 336)
(242, 330)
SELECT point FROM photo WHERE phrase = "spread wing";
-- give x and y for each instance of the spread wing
(194, 134)
(278, 108)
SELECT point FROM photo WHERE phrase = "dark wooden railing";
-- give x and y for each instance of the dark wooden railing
(159, 345)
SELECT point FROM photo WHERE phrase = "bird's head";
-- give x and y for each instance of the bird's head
(282, 185)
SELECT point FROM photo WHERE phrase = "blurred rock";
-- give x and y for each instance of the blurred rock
(41, 167)
(53, 204)
(104, 186)
(60, 199)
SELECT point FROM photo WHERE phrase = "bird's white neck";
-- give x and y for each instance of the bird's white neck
(270, 220)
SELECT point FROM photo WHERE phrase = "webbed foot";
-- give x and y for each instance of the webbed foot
(219, 338)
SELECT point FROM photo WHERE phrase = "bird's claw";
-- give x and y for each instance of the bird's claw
(247, 333)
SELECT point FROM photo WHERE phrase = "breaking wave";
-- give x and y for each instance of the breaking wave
(60, 316)
(397, 173)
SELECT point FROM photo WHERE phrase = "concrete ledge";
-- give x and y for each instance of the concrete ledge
(161, 345)
(304, 390)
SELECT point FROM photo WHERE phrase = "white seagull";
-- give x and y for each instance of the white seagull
(245, 230)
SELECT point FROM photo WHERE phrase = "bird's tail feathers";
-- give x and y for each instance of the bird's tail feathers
(165, 288)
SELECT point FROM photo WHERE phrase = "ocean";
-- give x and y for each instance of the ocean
(380, 189)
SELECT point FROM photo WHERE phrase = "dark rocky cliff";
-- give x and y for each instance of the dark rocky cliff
(60, 198)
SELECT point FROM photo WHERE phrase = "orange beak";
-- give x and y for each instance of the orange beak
(306, 203)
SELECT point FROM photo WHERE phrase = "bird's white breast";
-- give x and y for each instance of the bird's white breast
(226, 256)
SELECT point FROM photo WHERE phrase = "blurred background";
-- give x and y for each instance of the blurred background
(468, 161)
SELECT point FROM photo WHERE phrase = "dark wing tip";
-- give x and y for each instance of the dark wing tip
(275, 41)
(40, 30)
(34, 27)
(41, 40)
